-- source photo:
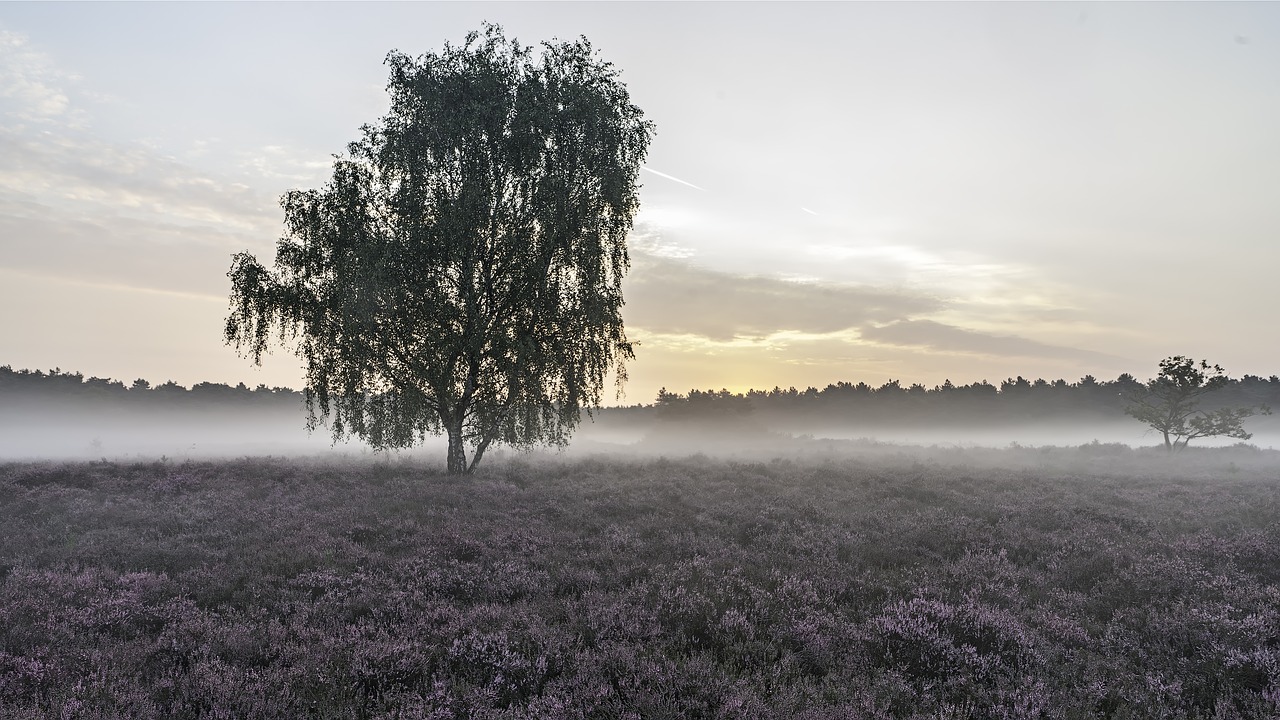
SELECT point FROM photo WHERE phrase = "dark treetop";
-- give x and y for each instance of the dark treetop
(461, 271)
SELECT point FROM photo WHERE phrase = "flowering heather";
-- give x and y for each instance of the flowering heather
(1073, 583)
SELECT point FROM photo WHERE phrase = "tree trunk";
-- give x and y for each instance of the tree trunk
(479, 453)
(457, 451)
(1168, 447)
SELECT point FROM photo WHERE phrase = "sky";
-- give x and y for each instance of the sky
(835, 192)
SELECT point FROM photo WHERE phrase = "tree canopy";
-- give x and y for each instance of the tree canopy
(461, 270)
(1170, 404)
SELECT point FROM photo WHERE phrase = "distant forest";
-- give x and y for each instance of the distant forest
(1014, 400)
(57, 389)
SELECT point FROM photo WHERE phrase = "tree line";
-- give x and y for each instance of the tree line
(1013, 399)
(59, 387)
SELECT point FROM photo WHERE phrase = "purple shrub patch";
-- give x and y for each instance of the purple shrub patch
(873, 588)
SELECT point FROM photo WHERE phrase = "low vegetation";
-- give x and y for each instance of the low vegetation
(1025, 583)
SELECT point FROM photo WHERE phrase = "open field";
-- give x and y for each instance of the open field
(1058, 583)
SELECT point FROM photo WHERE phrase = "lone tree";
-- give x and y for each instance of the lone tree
(461, 271)
(1170, 404)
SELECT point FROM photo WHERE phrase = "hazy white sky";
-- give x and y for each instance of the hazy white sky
(850, 192)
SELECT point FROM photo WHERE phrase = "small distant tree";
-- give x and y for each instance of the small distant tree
(461, 271)
(1170, 404)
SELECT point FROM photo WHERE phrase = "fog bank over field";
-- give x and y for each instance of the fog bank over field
(760, 442)
(61, 415)
(28, 433)
(35, 431)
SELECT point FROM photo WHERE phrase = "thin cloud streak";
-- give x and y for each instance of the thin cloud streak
(671, 178)
(939, 337)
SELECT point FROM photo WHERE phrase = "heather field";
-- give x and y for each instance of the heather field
(1082, 582)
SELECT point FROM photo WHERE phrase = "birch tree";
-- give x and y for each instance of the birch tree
(461, 271)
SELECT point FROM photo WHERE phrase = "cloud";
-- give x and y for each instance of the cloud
(77, 173)
(278, 163)
(937, 336)
(54, 159)
(673, 297)
(77, 207)
(32, 87)
(115, 250)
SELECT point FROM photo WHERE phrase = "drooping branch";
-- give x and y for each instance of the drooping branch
(462, 269)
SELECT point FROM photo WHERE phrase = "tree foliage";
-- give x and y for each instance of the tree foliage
(1170, 404)
(461, 271)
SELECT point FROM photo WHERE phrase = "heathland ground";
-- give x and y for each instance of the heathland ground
(1094, 581)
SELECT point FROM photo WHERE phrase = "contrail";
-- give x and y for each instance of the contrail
(808, 211)
(669, 177)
